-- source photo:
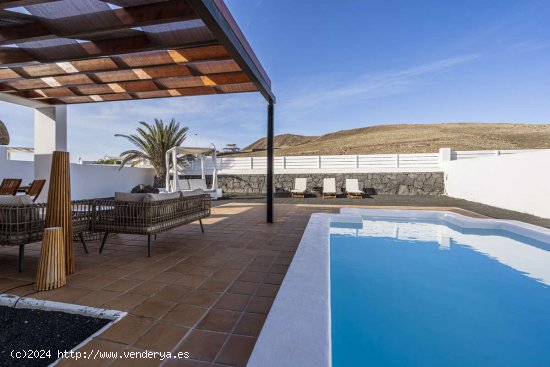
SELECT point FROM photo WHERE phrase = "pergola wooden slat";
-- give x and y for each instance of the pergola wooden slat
(132, 16)
(62, 52)
(149, 46)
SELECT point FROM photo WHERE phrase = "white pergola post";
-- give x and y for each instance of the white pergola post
(50, 134)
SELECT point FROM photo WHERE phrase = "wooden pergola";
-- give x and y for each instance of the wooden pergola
(63, 52)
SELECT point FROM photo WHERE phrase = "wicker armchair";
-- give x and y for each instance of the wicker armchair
(82, 213)
(24, 224)
(20, 225)
(148, 218)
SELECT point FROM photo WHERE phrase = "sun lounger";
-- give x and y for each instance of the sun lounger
(352, 189)
(300, 188)
(35, 189)
(10, 186)
(329, 188)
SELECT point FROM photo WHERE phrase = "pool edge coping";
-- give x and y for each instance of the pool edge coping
(292, 338)
(301, 339)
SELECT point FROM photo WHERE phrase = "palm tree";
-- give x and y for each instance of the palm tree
(153, 141)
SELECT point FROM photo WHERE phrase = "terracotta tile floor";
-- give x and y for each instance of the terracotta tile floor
(205, 294)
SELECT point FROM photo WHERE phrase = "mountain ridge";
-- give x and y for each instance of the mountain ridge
(410, 138)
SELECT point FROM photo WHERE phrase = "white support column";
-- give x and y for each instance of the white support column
(50, 134)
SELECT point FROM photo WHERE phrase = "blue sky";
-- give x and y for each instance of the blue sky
(346, 64)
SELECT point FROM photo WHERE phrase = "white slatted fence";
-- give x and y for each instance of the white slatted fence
(421, 162)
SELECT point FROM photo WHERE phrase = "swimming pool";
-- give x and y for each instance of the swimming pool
(424, 293)
(372, 287)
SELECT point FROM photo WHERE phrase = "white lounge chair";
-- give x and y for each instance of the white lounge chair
(352, 189)
(329, 188)
(300, 188)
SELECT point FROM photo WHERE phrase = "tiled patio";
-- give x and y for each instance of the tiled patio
(205, 294)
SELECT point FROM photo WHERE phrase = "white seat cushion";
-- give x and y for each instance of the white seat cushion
(15, 200)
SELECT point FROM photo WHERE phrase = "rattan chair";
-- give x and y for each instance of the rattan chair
(21, 225)
(10, 186)
(148, 218)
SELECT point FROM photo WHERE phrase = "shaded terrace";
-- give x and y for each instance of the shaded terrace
(54, 53)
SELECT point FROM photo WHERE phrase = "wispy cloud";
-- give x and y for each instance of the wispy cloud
(530, 46)
(299, 105)
(334, 92)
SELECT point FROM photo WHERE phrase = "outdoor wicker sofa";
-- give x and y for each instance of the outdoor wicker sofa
(22, 223)
(148, 214)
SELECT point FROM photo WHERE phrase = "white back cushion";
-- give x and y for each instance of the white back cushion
(149, 198)
(352, 184)
(329, 185)
(184, 184)
(197, 183)
(301, 184)
(126, 196)
(192, 193)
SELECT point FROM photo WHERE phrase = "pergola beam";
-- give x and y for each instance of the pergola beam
(119, 46)
(10, 98)
(119, 75)
(217, 17)
(149, 85)
(6, 4)
(194, 59)
(123, 96)
(130, 17)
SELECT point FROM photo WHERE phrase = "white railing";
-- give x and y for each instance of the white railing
(420, 162)
(457, 155)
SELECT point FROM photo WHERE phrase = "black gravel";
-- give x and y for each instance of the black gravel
(25, 330)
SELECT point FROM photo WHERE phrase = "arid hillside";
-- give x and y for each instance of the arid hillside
(417, 138)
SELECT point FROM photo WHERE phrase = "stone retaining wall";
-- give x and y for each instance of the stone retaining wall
(414, 183)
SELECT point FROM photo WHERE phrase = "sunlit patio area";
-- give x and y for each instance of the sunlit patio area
(206, 294)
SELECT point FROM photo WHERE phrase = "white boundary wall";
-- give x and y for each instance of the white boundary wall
(90, 181)
(15, 169)
(519, 182)
(87, 180)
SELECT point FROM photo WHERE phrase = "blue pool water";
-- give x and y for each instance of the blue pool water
(426, 294)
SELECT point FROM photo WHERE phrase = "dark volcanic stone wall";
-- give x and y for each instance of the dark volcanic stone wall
(414, 183)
